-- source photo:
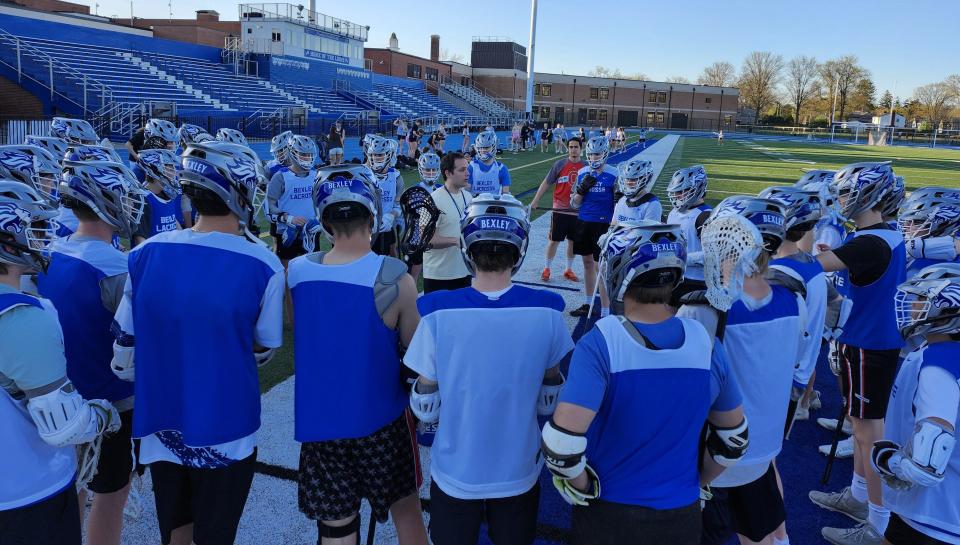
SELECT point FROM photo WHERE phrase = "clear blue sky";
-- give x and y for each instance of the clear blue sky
(901, 43)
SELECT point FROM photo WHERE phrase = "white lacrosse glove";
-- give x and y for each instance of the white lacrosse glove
(122, 364)
(572, 495)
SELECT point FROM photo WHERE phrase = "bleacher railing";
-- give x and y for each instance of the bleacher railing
(56, 68)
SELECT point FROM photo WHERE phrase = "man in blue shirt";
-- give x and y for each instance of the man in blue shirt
(198, 397)
(358, 439)
(593, 196)
(642, 484)
(485, 397)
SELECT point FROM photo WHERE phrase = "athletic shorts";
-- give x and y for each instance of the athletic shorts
(900, 533)
(287, 253)
(753, 510)
(562, 226)
(53, 520)
(117, 455)
(510, 521)
(212, 499)
(586, 234)
(607, 523)
(867, 377)
(383, 241)
(383, 467)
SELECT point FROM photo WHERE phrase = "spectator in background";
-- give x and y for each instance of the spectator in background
(545, 137)
(524, 135)
(413, 140)
(465, 131)
(335, 140)
(442, 129)
(135, 144)
(401, 129)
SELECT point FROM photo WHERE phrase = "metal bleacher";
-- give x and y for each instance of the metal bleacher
(326, 100)
(476, 98)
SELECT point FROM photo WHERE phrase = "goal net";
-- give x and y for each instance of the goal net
(879, 136)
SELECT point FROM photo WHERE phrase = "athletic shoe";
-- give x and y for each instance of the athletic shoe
(844, 449)
(831, 424)
(545, 275)
(842, 502)
(862, 534)
(570, 275)
(134, 506)
(802, 413)
(814, 401)
(582, 310)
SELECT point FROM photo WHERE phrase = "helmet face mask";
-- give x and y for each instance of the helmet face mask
(924, 218)
(596, 150)
(687, 187)
(302, 152)
(27, 226)
(485, 146)
(428, 166)
(929, 302)
(160, 167)
(862, 186)
(381, 154)
(110, 190)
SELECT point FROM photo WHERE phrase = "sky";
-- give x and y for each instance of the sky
(897, 41)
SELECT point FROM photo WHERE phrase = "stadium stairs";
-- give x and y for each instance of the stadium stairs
(475, 98)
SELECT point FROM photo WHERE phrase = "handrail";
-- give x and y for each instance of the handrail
(17, 41)
(44, 85)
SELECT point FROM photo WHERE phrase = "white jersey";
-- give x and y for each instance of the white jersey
(649, 210)
(490, 178)
(687, 220)
(391, 185)
(297, 198)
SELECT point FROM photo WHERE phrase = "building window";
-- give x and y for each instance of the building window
(604, 93)
(708, 100)
(274, 36)
(601, 115)
(368, 64)
(545, 112)
(660, 117)
(592, 114)
(413, 71)
(653, 97)
(432, 74)
(546, 89)
(662, 97)
(728, 120)
(594, 93)
(536, 90)
(649, 118)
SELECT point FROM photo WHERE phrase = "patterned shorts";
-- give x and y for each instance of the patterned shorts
(383, 467)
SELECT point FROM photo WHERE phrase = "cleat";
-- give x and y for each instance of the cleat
(545, 275)
(570, 275)
(863, 534)
(844, 449)
(841, 502)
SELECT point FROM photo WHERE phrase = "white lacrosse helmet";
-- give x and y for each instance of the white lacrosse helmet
(636, 177)
(731, 244)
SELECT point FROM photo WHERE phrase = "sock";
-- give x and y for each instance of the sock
(858, 487)
(587, 299)
(878, 517)
(549, 262)
(784, 541)
(569, 263)
(604, 312)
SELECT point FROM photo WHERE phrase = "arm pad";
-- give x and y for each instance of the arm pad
(63, 417)
(122, 364)
(563, 450)
(838, 311)
(549, 395)
(942, 248)
(727, 445)
(425, 405)
(926, 456)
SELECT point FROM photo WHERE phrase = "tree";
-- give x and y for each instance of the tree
(864, 96)
(639, 76)
(447, 55)
(718, 74)
(953, 83)
(599, 72)
(801, 83)
(886, 101)
(758, 79)
(604, 72)
(933, 101)
(677, 79)
(842, 74)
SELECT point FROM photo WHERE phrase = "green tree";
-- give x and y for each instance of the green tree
(886, 101)
(864, 96)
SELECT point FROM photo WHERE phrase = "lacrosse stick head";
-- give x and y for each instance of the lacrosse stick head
(731, 244)
(420, 215)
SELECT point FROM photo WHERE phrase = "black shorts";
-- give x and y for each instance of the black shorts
(753, 510)
(432, 284)
(117, 454)
(606, 523)
(53, 520)
(867, 377)
(510, 521)
(383, 241)
(383, 467)
(562, 226)
(900, 533)
(287, 253)
(210, 499)
(585, 237)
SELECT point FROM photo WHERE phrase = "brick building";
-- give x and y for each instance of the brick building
(206, 29)
(390, 61)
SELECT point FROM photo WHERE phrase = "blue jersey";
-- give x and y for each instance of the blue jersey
(165, 215)
(651, 405)
(488, 390)
(195, 335)
(342, 347)
(84, 283)
(597, 205)
(873, 321)
(272, 167)
(934, 510)
(490, 178)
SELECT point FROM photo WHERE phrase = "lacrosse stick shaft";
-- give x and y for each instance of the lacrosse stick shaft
(371, 529)
(833, 446)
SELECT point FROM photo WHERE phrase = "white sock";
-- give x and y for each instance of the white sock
(604, 312)
(549, 262)
(878, 517)
(858, 487)
(587, 299)
(569, 263)
(784, 541)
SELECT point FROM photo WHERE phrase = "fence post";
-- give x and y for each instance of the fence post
(84, 94)
(51, 78)
(19, 67)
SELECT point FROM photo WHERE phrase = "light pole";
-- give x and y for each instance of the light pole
(530, 52)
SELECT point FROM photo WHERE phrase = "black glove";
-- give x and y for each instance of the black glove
(585, 184)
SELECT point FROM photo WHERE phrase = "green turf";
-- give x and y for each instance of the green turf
(736, 168)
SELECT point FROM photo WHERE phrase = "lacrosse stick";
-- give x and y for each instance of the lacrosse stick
(420, 215)
(731, 245)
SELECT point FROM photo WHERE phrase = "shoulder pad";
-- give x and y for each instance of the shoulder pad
(387, 287)
(784, 276)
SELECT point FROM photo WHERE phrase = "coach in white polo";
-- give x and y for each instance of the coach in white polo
(443, 266)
